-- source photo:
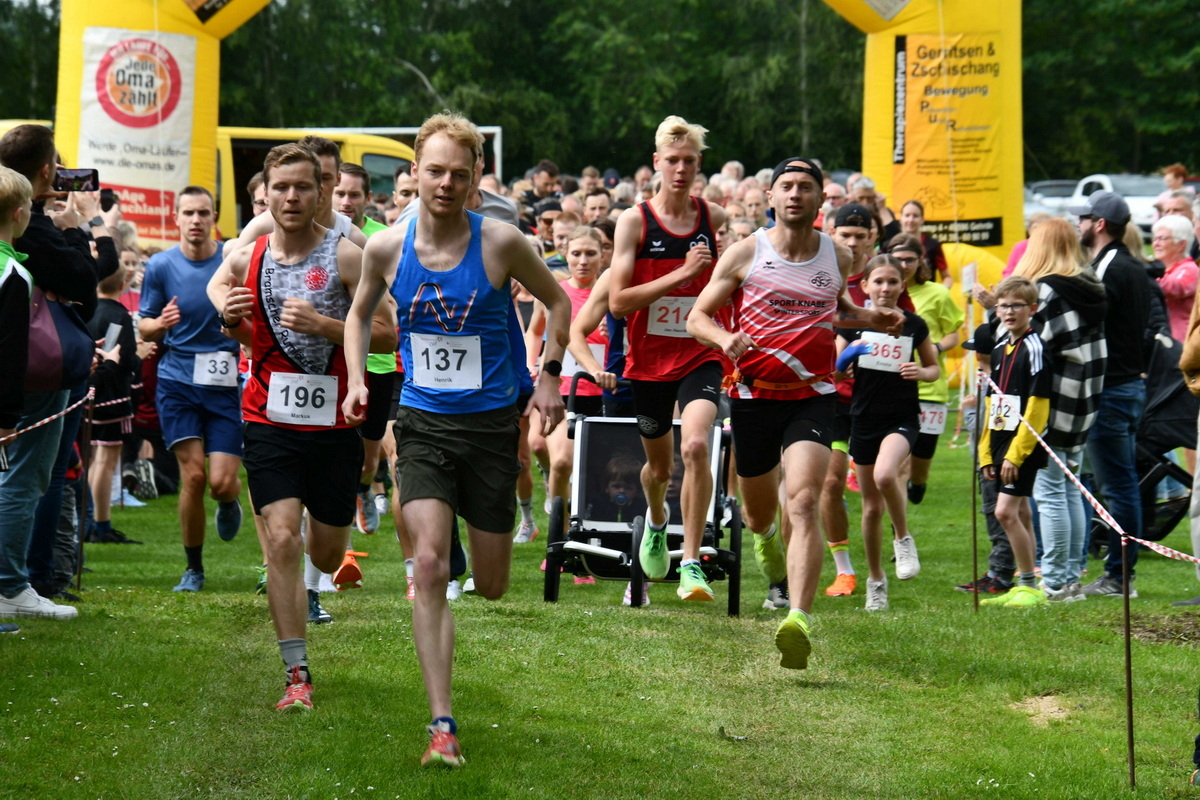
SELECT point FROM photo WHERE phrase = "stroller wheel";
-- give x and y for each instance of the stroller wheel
(637, 578)
(554, 555)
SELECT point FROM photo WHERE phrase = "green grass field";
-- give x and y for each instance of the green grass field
(151, 694)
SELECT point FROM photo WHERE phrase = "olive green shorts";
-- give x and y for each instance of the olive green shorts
(468, 460)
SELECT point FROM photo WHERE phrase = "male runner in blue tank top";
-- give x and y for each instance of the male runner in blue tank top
(456, 431)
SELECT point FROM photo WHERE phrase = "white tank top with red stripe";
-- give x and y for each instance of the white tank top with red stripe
(788, 309)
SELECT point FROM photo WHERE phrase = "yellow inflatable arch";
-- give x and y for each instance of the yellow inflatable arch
(942, 123)
(138, 84)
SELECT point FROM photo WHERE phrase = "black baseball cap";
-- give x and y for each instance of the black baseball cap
(798, 164)
(853, 215)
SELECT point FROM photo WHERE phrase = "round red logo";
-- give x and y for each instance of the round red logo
(138, 83)
(316, 278)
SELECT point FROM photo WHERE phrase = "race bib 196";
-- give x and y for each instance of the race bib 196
(668, 317)
(446, 362)
(215, 369)
(294, 399)
(887, 352)
(1006, 412)
(933, 418)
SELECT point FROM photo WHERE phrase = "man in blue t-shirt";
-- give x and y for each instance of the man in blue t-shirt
(199, 402)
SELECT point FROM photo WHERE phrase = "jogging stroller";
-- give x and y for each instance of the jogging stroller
(608, 510)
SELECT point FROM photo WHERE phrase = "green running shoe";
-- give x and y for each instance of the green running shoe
(656, 562)
(1000, 599)
(769, 555)
(692, 585)
(791, 637)
(1026, 597)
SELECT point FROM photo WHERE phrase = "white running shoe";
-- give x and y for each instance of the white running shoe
(469, 584)
(381, 504)
(907, 564)
(454, 589)
(627, 600)
(526, 533)
(30, 604)
(777, 596)
(877, 595)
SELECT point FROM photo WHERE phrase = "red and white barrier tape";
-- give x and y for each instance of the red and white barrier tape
(90, 395)
(1095, 504)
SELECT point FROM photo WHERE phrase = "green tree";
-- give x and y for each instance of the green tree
(29, 59)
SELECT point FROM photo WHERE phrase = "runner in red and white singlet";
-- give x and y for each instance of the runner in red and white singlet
(788, 286)
(662, 259)
(287, 296)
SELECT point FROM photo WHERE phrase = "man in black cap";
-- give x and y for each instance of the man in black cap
(787, 287)
(1112, 441)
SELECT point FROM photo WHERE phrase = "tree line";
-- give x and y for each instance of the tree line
(1108, 85)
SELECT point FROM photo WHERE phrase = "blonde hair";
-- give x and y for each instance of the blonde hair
(1017, 286)
(458, 128)
(677, 130)
(15, 190)
(1053, 250)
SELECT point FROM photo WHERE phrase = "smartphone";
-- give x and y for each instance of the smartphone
(108, 199)
(110, 336)
(77, 180)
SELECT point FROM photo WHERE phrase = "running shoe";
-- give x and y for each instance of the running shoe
(852, 479)
(453, 589)
(1001, 599)
(769, 555)
(366, 516)
(1109, 585)
(1068, 593)
(792, 639)
(526, 533)
(443, 748)
(298, 695)
(382, 506)
(843, 585)
(987, 585)
(125, 499)
(113, 536)
(348, 575)
(877, 599)
(469, 583)
(627, 600)
(261, 586)
(409, 592)
(229, 519)
(147, 488)
(777, 596)
(916, 493)
(192, 581)
(907, 564)
(1026, 597)
(316, 614)
(692, 585)
(656, 561)
(8, 627)
(582, 580)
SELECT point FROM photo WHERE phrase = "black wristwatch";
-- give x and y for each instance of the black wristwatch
(96, 221)
(225, 324)
(552, 368)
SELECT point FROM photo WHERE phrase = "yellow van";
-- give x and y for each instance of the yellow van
(240, 154)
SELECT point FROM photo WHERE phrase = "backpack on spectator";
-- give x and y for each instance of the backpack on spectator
(60, 347)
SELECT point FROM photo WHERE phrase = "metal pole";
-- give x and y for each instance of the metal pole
(1125, 545)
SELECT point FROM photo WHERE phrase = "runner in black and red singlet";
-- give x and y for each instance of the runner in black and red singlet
(663, 257)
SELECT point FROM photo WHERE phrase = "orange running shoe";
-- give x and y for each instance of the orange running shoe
(410, 593)
(348, 575)
(852, 479)
(443, 748)
(842, 586)
(298, 695)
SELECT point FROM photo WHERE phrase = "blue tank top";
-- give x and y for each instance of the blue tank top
(455, 325)
(614, 360)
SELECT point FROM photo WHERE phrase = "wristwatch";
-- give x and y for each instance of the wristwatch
(96, 221)
(225, 324)
(552, 368)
